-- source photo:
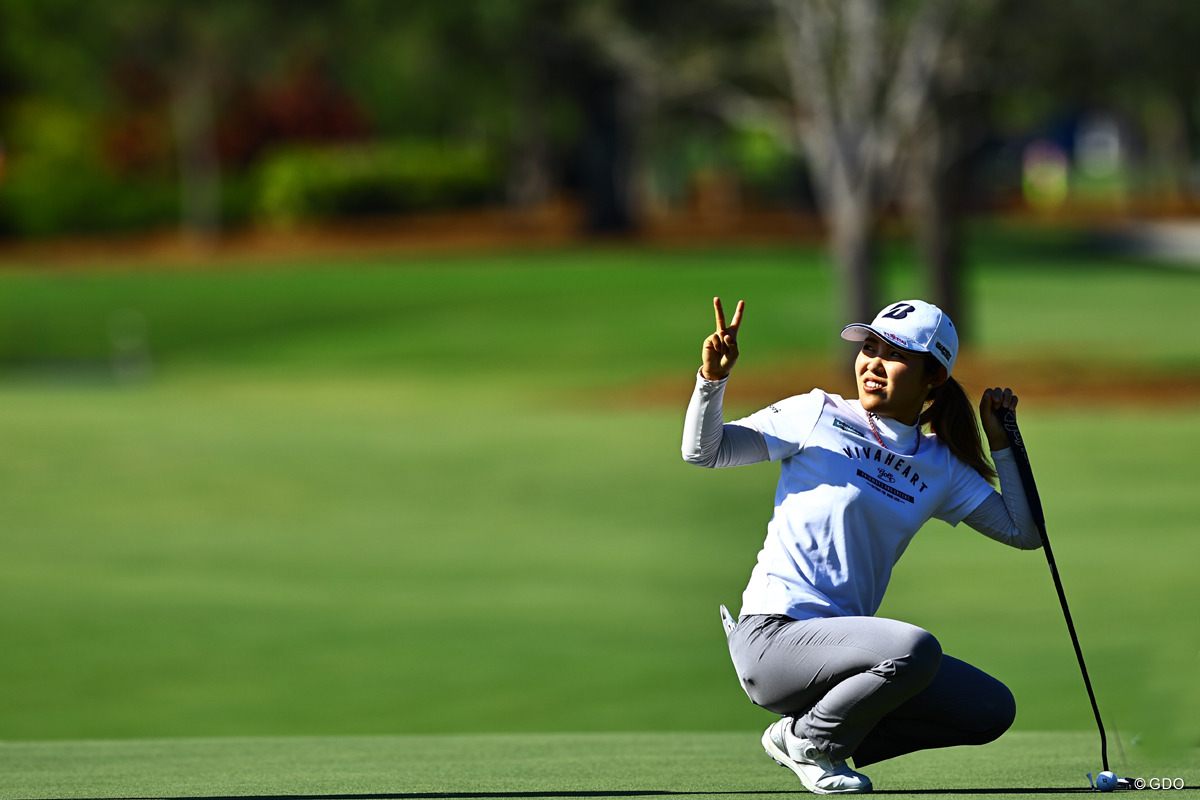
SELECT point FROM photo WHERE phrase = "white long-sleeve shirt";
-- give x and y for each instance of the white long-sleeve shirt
(845, 508)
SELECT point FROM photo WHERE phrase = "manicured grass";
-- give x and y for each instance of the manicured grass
(1019, 765)
(200, 557)
(542, 315)
(590, 316)
(408, 497)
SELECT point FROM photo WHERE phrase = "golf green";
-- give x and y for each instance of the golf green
(568, 765)
(443, 496)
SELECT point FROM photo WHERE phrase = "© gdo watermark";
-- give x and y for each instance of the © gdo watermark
(1107, 781)
(1157, 783)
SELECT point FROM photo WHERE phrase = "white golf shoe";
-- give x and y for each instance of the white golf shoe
(817, 772)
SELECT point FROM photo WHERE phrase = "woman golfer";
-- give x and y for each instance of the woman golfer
(858, 479)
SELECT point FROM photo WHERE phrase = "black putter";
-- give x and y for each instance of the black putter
(1009, 420)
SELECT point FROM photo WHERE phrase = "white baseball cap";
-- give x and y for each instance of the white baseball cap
(913, 325)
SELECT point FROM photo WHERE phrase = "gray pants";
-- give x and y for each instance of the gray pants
(866, 687)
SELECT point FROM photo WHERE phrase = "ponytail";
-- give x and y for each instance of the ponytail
(950, 415)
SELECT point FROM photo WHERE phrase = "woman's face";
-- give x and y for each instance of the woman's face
(892, 382)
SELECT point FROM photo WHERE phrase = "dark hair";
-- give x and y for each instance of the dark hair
(950, 415)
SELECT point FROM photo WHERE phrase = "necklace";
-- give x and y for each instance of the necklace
(878, 438)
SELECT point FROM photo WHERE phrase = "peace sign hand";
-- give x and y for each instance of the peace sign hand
(720, 350)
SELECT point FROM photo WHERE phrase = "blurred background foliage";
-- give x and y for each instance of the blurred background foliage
(217, 114)
(610, 117)
(214, 116)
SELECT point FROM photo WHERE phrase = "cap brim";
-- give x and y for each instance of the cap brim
(858, 332)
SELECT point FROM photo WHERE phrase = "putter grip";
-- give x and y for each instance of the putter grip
(1009, 420)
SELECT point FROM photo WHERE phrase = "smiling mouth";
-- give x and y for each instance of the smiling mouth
(872, 385)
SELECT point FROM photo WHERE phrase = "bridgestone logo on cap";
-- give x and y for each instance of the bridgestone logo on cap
(942, 349)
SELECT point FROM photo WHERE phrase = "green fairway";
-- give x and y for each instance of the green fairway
(1020, 765)
(550, 317)
(312, 557)
(444, 496)
(557, 316)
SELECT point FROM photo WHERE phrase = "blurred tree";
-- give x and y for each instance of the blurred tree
(939, 153)
(203, 49)
(584, 82)
(8, 85)
(641, 63)
(862, 75)
(569, 89)
(475, 69)
(890, 97)
(1009, 67)
(205, 83)
(51, 99)
(578, 65)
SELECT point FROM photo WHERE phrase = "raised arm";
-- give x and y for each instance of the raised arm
(707, 440)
